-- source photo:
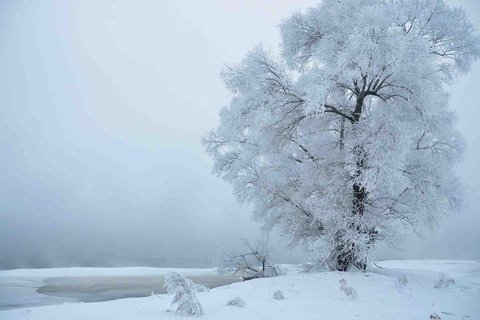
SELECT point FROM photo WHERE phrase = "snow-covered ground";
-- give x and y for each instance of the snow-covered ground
(307, 296)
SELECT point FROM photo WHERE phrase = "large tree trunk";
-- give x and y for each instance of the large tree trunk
(345, 253)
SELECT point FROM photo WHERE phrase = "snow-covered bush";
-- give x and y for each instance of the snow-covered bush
(278, 295)
(349, 291)
(402, 280)
(183, 291)
(444, 282)
(201, 288)
(307, 267)
(236, 302)
(250, 262)
(435, 316)
(316, 253)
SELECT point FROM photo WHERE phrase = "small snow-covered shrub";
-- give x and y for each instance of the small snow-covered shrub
(278, 295)
(307, 267)
(201, 288)
(183, 291)
(236, 302)
(435, 316)
(443, 282)
(249, 262)
(318, 264)
(349, 291)
(402, 280)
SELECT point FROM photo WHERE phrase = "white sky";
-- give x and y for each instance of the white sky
(103, 104)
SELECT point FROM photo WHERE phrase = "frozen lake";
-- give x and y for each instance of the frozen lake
(30, 288)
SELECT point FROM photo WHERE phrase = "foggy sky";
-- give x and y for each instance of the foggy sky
(102, 106)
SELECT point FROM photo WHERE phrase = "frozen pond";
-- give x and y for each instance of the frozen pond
(25, 292)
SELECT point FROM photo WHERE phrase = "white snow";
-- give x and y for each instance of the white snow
(307, 296)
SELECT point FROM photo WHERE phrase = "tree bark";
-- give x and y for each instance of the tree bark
(345, 253)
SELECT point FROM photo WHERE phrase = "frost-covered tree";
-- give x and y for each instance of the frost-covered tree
(183, 291)
(348, 135)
